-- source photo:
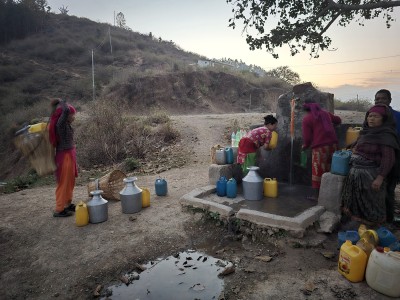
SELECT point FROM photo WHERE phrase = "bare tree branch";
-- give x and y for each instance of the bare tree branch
(302, 23)
(368, 6)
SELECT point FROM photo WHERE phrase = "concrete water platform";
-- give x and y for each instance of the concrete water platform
(291, 210)
(292, 200)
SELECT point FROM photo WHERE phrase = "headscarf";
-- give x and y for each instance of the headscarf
(316, 112)
(385, 134)
(53, 122)
(378, 109)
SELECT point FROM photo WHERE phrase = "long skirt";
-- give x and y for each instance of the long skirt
(249, 161)
(246, 156)
(245, 147)
(359, 200)
(321, 163)
(65, 175)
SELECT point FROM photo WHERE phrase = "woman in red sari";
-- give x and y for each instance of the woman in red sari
(319, 135)
(62, 138)
(253, 140)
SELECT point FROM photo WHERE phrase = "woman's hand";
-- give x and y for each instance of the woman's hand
(376, 184)
(266, 147)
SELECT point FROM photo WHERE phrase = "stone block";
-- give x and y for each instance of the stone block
(216, 171)
(330, 192)
(328, 222)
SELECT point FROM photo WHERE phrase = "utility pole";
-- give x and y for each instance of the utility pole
(250, 103)
(93, 74)
(109, 35)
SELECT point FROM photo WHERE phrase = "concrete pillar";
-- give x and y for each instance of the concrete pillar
(216, 171)
(330, 192)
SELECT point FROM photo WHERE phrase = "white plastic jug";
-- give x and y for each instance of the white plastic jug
(383, 272)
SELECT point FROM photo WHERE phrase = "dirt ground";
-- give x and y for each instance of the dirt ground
(44, 257)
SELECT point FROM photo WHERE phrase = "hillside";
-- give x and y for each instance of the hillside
(129, 69)
(57, 62)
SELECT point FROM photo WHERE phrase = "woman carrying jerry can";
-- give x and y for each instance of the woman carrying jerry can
(253, 140)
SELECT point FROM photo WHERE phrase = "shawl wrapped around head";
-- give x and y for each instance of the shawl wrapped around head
(385, 134)
(316, 111)
(53, 122)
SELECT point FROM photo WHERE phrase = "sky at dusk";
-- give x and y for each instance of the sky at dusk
(363, 59)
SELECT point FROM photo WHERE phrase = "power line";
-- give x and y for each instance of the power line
(352, 73)
(348, 61)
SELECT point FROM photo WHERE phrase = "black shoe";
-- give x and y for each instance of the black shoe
(70, 207)
(62, 214)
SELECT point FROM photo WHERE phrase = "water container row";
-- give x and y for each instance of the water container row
(254, 187)
(381, 268)
(371, 255)
(132, 198)
(225, 155)
(381, 237)
(236, 137)
(226, 187)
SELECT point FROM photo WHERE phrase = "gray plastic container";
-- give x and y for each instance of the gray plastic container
(220, 158)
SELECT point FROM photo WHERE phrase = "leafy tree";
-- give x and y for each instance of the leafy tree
(286, 74)
(121, 22)
(35, 5)
(21, 18)
(303, 23)
(120, 19)
(64, 10)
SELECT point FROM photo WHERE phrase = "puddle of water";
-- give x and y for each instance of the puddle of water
(187, 275)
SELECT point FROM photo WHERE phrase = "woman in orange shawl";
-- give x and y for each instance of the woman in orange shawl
(61, 136)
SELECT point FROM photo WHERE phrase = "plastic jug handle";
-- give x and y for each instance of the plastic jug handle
(267, 179)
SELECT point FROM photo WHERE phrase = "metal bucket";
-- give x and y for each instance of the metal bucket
(253, 185)
(130, 196)
(97, 207)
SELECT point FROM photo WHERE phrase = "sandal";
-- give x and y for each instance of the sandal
(62, 214)
(70, 207)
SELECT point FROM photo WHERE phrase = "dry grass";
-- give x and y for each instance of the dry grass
(108, 136)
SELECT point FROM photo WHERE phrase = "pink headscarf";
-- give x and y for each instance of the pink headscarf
(53, 122)
(316, 110)
(378, 109)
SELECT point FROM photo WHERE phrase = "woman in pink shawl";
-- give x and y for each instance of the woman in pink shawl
(61, 136)
(319, 135)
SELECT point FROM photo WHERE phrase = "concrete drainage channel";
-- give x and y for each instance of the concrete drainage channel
(232, 210)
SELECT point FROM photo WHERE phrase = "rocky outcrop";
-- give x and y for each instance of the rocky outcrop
(283, 162)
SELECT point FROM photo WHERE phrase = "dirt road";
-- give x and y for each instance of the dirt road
(44, 257)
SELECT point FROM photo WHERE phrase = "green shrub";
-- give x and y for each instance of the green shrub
(131, 164)
(362, 104)
(157, 116)
(21, 183)
(168, 133)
